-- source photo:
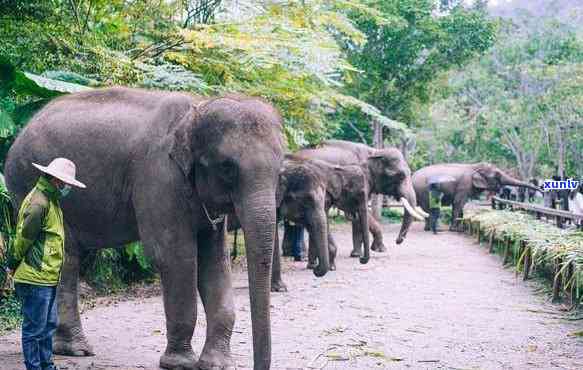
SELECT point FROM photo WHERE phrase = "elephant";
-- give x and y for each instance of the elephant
(306, 191)
(387, 173)
(468, 180)
(162, 167)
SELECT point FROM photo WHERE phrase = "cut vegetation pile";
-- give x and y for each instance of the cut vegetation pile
(530, 244)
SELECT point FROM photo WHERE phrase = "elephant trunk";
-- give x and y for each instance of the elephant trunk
(363, 218)
(256, 211)
(511, 181)
(409, 200)
(318, 229)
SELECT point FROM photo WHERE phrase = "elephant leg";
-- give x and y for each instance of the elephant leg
(356, 239)
(277, 284)
(216, 292)
(171, 243)
(424, 204)
(377, 234)
(69, 337)
(288, 239)
(178, 277)
(457, 211)
(333, 250)
(454, 216)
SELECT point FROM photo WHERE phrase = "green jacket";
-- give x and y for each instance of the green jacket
(435, 198)
(39, 247)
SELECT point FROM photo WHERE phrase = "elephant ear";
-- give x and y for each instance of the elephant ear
(479, 181)
(181, 137)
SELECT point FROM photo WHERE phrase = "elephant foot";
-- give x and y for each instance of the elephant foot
(75, 346)
(178, 360)
(378, 247)
(278, 286)
(214, 360)
(319, 272)
(355, 254)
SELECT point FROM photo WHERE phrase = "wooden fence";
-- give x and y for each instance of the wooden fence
(558, 216)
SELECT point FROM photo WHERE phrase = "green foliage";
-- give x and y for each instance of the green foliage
(10, 317)
(27, 84)
(7, 232)
(402, 58)
(518, 106)
(393, 215)
(22, 94)
(135, 252)
(111, 269)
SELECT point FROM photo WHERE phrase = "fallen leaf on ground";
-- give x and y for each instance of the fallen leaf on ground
(377, 354)
(337, 357)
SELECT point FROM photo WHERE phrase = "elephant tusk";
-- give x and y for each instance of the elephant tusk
(410, 209)
(421, 212)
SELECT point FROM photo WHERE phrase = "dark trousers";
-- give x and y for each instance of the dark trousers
(434, 214)
(40, 318)
(298, 238)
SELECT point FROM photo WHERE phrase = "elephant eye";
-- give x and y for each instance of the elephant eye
(228, 171)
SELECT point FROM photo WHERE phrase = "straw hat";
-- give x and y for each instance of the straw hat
(63, 169)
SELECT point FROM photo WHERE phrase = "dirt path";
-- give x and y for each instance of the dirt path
(436, 302)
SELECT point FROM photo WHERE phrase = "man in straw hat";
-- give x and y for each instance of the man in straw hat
(37, 258)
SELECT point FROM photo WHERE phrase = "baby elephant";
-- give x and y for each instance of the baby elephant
(306, 191)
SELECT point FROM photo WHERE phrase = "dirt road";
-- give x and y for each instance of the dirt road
(435, 302)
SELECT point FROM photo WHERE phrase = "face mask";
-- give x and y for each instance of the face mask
(65, 190)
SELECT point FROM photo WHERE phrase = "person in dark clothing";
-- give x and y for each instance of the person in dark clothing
(297, 241)
(435, 196)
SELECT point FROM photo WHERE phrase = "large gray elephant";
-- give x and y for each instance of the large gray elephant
(387, 173)
(307, 189)
(470, 180)
(162, 167)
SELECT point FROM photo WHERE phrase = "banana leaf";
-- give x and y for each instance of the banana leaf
(24, 83)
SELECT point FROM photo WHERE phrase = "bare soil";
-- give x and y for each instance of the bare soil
(435, 302)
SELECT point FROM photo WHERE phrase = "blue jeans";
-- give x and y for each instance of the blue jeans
(298, 238)
(40, 318)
